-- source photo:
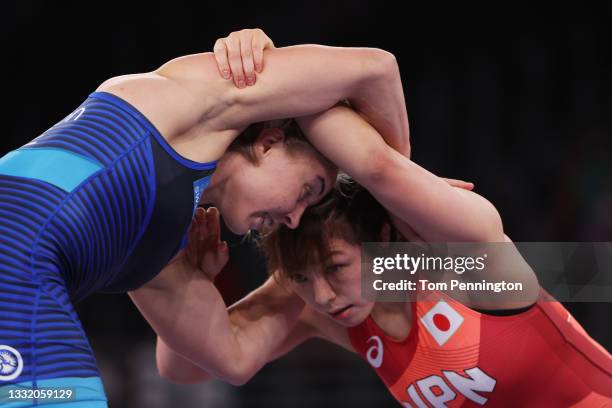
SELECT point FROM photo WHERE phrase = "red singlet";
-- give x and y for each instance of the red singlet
(455, 356)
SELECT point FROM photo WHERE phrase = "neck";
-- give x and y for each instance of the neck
(393, 318)
(215, 191)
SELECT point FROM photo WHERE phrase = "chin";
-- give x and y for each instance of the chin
(355, 320)
(361, 316)
(238, 228)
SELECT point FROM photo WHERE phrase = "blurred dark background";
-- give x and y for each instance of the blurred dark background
(514, 99)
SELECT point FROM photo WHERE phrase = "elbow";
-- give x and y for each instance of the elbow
(497, 227)
(233, 370)
(170, 377)
(493, 228)
(379, 170)
(390, 68)
(234, 376)
(238, 374)
(181, 379)
(383, 64)
(480, 222)
(238, 380)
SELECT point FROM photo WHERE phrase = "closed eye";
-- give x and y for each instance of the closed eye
(306, 192)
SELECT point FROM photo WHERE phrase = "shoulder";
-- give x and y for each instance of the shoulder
(184, 92)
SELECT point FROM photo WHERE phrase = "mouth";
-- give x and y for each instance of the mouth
(267, 221)
(340, 313)
(262, 220)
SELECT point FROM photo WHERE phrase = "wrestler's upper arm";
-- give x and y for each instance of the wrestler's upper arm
(297, 81)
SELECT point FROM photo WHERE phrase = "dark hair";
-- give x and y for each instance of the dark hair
(294, 140)
(349, 212)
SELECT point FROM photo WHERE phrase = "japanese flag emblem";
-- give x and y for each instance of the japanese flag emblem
(442, 321)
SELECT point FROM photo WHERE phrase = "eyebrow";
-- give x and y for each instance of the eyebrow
(331, 254)
(322, 185)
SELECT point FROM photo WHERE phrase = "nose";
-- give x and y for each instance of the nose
(322, 291)
(292, 219)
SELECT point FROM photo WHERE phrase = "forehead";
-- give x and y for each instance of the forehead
(336, 248)
(341, 251)
(340, 246)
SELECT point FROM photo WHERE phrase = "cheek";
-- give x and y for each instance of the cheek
(283, 191)
(353, 282)
(235, 209)
(248, 197)
(234, 220)
(263, 195)
(304, 293)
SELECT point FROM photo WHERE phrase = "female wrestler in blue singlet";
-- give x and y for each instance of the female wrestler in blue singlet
(100, 201)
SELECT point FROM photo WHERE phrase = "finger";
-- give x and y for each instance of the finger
(200, 212)
(246, 53)
(463, 184)
(210, 233)
(220, 50)
(261, 43)
(193, 233)
(459, 183)
(202, 226)
(235, 61)
(215, 224)
(222, 254)
(218, 259)
(263, 38)
(267, 40)
(212, 220)
(258, 48)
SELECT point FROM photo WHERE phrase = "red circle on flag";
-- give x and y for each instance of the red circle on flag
(442, 323)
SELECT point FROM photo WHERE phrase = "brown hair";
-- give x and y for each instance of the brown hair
(349, 213)
(294, 141)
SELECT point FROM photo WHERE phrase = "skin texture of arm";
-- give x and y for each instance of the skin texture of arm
(419, 200)
(436, 211)
(197, 335)
(187, 97)
(177, 369)
(190, 316)
(266, 344)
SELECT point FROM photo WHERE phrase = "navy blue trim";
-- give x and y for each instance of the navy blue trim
(126, 106)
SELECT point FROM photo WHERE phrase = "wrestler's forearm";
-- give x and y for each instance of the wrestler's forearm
(435, 210)
(267, 324)
(190, 315)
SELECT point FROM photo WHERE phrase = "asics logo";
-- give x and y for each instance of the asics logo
(375, 352)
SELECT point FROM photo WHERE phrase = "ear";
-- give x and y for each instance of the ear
(267, 138)
(385, 233)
